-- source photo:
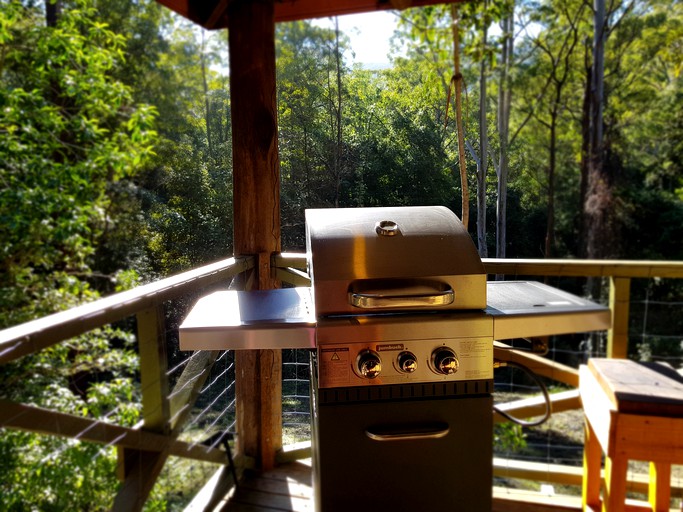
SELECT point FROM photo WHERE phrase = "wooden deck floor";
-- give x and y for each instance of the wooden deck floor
(288, 489)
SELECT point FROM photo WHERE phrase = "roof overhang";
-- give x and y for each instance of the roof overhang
(213, 14)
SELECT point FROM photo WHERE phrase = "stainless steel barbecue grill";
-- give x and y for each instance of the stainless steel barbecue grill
(401, 322)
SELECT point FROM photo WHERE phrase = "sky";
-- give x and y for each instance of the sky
(369, 34)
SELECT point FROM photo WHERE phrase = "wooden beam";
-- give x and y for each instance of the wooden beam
(211, 14)
(537, 364)
(256, 216)
(153, 366)
(142, 469)
(43, 421)
(619, 302)
(214, 495)
(139, 469)
(217, 13)
(186, 389)
(584, 268)
(305, 9)
(522, 500)
(535, 406)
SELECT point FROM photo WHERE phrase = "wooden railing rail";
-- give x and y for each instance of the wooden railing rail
(36, 335)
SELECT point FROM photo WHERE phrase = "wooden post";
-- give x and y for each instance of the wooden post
(140, 469)
(256, 221)
(617, 336)
(153, 366)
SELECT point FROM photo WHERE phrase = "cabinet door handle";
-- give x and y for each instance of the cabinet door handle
(435, 430)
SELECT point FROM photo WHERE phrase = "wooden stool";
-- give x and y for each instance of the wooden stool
(633, 411)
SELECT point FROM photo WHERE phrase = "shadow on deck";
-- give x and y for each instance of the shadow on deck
(286, 488)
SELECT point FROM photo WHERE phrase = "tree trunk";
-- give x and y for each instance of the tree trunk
(585, 149)
(504, 101)
(338, 149)
(600, 237)
(483, 157)
(550, 226)
(457, 79)
(53, 10)
(207, 102)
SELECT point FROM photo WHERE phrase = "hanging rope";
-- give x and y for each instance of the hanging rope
(457, 82)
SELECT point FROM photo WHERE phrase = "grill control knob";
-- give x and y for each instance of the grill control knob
(407, 362)
(369, 364)
(445, 361)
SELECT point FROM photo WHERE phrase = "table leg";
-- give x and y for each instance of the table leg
(659, 494)
(592, 452)
(616, 469)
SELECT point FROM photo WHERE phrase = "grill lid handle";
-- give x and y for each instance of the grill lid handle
(425, 294)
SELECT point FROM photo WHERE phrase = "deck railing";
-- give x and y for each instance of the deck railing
(145, 448)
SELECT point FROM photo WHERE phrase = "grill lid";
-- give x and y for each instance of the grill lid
(388, 259)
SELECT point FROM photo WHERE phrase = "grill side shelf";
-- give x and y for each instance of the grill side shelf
(262, 319)
(526, 309)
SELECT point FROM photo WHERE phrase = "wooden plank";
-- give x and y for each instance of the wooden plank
(294, 452)
(136, 486)
(518, 500)
(584, 268)
(596, 405)
(259, 411)
(619, 303)
(537, 364)
(649, 438)
(257, 498)
(535, 406)
(188, 386)
(209, 14)
(640, 388)
(43, 421)
(290, 259)
(537, 471)
(592, 456)
(214, 494)
(36, 335)
(256, 214)
(142, 469)
(287, 488)
(153, 367)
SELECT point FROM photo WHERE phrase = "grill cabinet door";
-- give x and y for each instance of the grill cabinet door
(450, 473)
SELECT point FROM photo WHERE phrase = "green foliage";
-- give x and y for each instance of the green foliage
(86, 377)
(508, 437)
(185, 193)
(68, 130)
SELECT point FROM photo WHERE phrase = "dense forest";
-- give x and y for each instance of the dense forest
(115, 162)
